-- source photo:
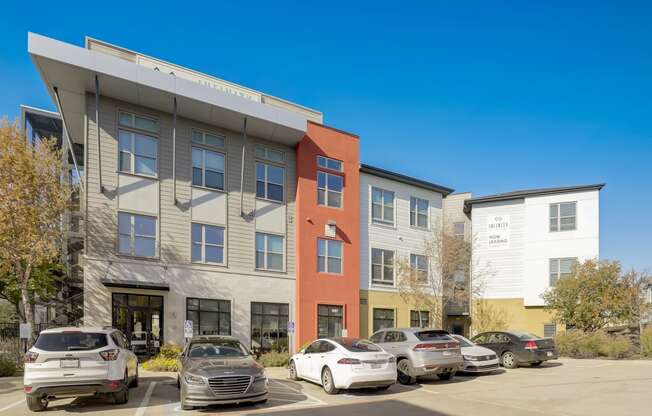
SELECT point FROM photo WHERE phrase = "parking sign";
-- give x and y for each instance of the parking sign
(291, 326)
(187, 329)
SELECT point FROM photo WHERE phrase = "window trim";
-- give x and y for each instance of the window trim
(327, 190)
(132, 235)
(204, 132)
(279, 315)
(203, 167)
(559, 217)
(455, 234)
(416, 213)
(413, 268)
(132, 152)
(188, 298)
(342, 316)
(373, 320)
(382, 222)
(417, 313)
(284, 184)
(326, 256)
(135, 114)
(378, 282)
(558, 273)
(265, 157)
(326, 158)
(203, 244)
(283, 254)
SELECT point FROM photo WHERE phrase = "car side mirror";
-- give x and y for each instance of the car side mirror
(303, 351)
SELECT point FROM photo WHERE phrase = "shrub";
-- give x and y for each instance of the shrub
(8, 366)
(165, 360)
(274, 359)
(578, 344)
(618, 346)
(170, 351)
(646, 342)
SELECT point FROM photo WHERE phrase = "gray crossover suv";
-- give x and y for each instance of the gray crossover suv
(219, 369)
(421, 352)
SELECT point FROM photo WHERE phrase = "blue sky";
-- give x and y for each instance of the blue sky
(479, 97)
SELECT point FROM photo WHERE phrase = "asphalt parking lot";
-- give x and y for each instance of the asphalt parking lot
(564, 387)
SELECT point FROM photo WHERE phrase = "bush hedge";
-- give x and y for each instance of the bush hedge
(165, 360)
(8, 367)
(646, 342)
(274, 359)
(578, 344)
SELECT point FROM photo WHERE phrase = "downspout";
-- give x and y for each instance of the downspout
(174, 152)
(242, 167)
(97, 125)
(67, 134)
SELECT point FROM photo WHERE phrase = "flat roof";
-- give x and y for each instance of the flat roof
(405, 179)
(523, 193)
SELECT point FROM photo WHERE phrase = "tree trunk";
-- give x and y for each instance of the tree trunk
(28, 307)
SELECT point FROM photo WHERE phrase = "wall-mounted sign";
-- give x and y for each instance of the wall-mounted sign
(25, 331)
(187, 329)
(498, 228)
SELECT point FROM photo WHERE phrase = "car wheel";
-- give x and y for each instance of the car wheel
(403, 372)
(122, 396)
(383, 388)
(134, 382)
(293, 371)
(445, 376)
(327, 382)
(36, 404)
(508, 360)
(536, 363)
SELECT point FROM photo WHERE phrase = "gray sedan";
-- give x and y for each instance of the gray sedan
(217, 370)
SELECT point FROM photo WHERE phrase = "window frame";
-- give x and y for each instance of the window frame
(219, 313)
(414, 267)
(413, 319)
(266, 252)
(455, 233)
(328, 317)
(326, 159)
(265, 155)
(382, 221)
(203, 142)
(133, 235)
(416, 213)
(262, 314)
(204, 149)
(558, 274)
(132, 152)
(266, 181)
(327, 257)
(556, 228)
(203, 244)
(382, 282)
(327, 190)
(373, 319)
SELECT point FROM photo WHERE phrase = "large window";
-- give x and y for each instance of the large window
(419, 266)
(383, 318)
(329, 189)
(419, 319)
(329, 256)
(329, 321)
(382, 206)
(269, 251)
(561, 268)
(138, 153)
(270, 181)
(269, 326)
(563, 216)
(458, 229)
(207, 243)
(209, 316)
(382, 266)
(419, 212)
(328, 163)
(137, 235)
(207, 168)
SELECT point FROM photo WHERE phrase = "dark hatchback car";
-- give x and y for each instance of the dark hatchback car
(516, 347)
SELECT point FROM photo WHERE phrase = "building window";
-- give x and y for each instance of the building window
(382, 266)
(269, 252)
(329, 256)
(419, 265)
(458, 229)
(209, 316)
(270, 181)
(419, 212)
(269, 326)
(549, 330)
(270, 154)
(208, 139)
(207, 243)
(383, 318)
(563, 216)
(560, 268)
(329, 321)
(207, 168)
(328, 163)
(329, 189)
(137, 235)
(382, 206)
(138, 122)
(419, 319)
(459, 279)
(138, 153)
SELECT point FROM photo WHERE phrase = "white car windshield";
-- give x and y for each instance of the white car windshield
(217, 348)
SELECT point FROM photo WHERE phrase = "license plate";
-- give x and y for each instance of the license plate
(446, 353)
(374, 366)
(549, 353)
(69, 363)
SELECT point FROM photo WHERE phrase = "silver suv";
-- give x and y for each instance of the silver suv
(421, 352)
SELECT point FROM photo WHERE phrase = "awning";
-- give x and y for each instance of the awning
(136, 276)
(72, 70)
(135, 284)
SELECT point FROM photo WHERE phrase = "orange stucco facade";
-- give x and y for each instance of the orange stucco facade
(312, 287)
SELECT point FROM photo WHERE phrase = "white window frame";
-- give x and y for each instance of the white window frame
(322, 162)
(327, 190)
(455, 233)
(266, 181)
(132, 153)
(557, 273)
(414, 265)
(266, 252)
(133, 117)
(327, 256)
(415, 213)
(382, 281)
(132, 235)
(382, 220)
(203, 168)
(203, 142)
(203, 243)
(556, 226)
(263, 152)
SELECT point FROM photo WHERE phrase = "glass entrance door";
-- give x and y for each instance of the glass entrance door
(140, 317)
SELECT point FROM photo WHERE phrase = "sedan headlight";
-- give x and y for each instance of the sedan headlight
(470, 358)
(260, 376)
(194, 380)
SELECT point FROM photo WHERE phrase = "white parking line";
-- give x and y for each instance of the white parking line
(314, 399)
(143, 404)
(9, 406)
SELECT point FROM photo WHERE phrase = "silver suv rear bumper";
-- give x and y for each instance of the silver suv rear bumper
(74, 389)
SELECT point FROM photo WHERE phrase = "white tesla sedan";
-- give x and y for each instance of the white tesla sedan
(344, 363)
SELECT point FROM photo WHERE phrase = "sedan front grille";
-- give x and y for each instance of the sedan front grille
(232, 385)
(486, 357)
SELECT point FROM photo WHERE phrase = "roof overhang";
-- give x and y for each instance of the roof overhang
(72, 69)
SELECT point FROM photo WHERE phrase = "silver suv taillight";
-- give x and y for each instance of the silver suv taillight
(30, 357)
(110, 355)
